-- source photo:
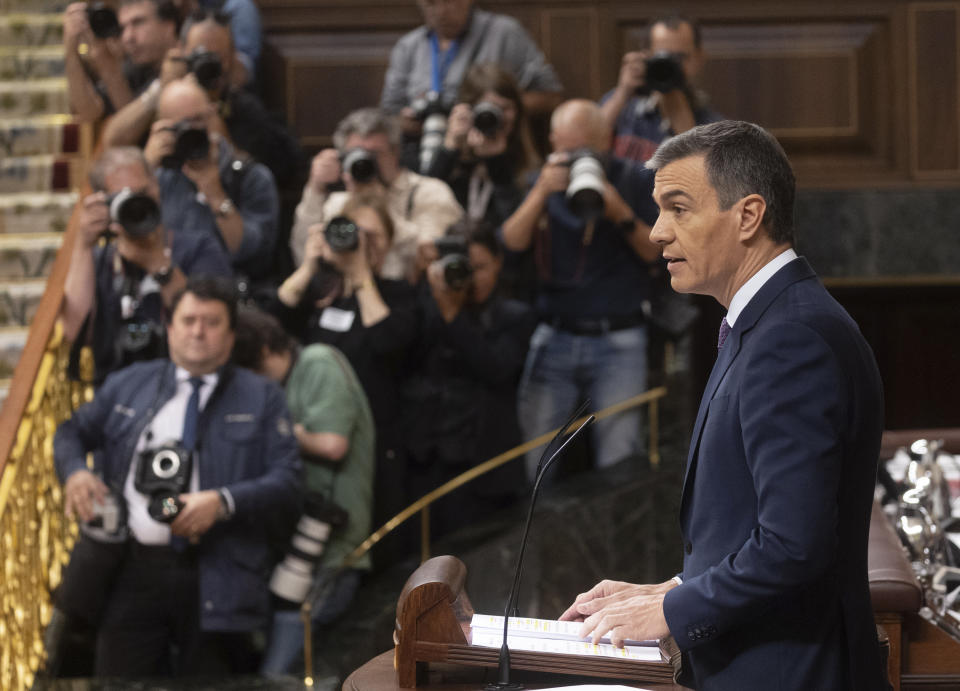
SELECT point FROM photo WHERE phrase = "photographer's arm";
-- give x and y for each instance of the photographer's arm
(327, 445)
(632, 72)
(80, 288)
(84, 100)
(132, 121)
(518, 229)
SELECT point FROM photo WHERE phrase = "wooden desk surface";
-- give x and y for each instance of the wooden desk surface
(379, 675)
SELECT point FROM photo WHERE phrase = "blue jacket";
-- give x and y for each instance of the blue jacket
(245, 445)
(775, 510)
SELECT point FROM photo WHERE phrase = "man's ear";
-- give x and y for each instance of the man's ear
(752, 209)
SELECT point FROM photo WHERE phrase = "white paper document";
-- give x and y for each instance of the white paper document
(551, 636)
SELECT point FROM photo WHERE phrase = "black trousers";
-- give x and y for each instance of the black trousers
(151, 624)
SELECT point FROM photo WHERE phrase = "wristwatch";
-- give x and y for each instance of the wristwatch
(226, 208)
(163, 275)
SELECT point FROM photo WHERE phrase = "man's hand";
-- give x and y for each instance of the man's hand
(622, 611)
(76, 27)
(161, 142)
(555, 174)
(633, 72)
(205, 172)
(94, 218)
(200, 511)
(81, 490)
(325, 170)
(449, 300)
(174, 65)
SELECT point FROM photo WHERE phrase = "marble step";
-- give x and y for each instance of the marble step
(37, 212)
(31, 29)
(19, 301)
(43, 134)
(32, 6)
(12, 341)
(46, 173)
(19, 99)
(28, 257)
(23, 63)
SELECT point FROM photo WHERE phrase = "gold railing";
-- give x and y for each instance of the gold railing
(35, 538)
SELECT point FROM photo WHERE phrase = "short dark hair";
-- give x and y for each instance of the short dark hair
(256, 329)
(166, 10)
(217, 288)
(740, 159)
(203, 16)
(477, 232)
(674, 21)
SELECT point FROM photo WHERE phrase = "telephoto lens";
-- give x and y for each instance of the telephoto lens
(361, 164)
(292, 578)
(192, 144)
(488, 118)
(102, 20)
(664, 73)
(206, 67)
(455, 261)
(434, 130)
(342, 234)
(586, 186)
(137, 213)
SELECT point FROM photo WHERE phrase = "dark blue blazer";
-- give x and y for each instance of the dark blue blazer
(775, 509)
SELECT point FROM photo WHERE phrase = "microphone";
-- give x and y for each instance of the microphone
(503, 671)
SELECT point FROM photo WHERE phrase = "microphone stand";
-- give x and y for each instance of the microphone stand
(503, 669)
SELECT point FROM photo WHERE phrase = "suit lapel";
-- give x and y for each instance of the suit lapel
(796, 270)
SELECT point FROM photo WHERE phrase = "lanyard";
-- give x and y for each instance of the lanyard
(440, 63)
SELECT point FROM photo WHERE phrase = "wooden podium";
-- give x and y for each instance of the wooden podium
(433, 626)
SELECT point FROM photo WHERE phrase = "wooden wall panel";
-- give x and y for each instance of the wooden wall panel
(934, 76)
(570, 44)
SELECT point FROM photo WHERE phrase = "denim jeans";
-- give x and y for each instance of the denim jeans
(563, 368)
(285, 645)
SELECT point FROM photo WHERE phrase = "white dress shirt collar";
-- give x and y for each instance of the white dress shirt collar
(753, 285)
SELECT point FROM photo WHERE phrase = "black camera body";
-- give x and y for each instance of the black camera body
(454, 257)
(103, 20)
(488, 118)
(163, 474)
(191, 144)
(206, 67)
(342, 234)
(136, 212)
(587, 184)
(361, 164)
(664, 72)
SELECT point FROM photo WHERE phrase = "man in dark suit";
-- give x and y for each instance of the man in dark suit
(776, 500)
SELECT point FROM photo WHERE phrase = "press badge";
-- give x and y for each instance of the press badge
(336, 319)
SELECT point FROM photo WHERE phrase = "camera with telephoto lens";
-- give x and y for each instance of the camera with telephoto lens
(342, 234)
(103, 20)
(191, 143)
(488, 118)
(136, 212)
(454, 257)
(292, 578)
(163, 474)
(587, 184)
(361, 164)
(432, 112)
(206, 67)
(664, 72)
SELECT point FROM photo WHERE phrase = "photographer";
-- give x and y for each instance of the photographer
(122, 291)
(202, 457)
(207, 53)
(656, 97)
(589, 215)
(121, 55)
(429, 63)
(340, 297)
(207, 189)
(460, 395)
(334, 428)
(367, 162)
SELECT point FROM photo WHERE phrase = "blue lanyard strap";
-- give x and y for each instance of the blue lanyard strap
(440, 62)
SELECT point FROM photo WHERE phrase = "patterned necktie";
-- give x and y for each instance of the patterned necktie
(725, 330)
(190, 419)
